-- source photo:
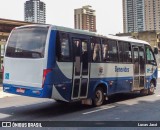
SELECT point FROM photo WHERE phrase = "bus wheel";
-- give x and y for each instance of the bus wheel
(98, 97)
(151, 89)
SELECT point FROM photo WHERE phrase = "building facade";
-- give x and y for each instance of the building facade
(35, 11)
(152, 14)
(141, 15)
(133, 16)
(85, 18)
(152, 37)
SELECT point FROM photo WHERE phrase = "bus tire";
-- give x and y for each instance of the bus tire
(98, 97)
(151, 89)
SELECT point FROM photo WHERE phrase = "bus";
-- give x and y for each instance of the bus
(68, 65)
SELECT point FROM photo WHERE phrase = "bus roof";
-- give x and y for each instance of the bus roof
(128, 39)
(85, 32)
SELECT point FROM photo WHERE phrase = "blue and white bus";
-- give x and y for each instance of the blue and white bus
(69, 65)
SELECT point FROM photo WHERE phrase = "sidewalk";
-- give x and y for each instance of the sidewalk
(3, 94)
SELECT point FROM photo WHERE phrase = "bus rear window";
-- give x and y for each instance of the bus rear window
(27, 43)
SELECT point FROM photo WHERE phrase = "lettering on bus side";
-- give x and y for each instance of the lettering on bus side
(119, 69)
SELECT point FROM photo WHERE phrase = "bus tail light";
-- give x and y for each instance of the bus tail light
(45, 72)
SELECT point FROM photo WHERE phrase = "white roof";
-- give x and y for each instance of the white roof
(127, 39)
(66, 29)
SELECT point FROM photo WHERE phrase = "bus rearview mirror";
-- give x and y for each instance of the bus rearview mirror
(155, 50)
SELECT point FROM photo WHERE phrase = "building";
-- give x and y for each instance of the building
(141, 15)
(152, 14)
(152, 37)
(35, 11)
(85, 18)
(133, 16)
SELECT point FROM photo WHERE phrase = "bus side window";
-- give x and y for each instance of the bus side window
(105, 55)
(64, 52)
(109, 50)
(120, 46)
(58, 47)
(112, 50)
(95, 50)
(125, 54)
(150, 56)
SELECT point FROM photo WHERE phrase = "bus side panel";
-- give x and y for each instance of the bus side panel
(124, 84)
(51, 50)
(62, 81)
(48, 83)
(119, 77)
(60, 77)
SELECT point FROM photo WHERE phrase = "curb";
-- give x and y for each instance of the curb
(4, 95)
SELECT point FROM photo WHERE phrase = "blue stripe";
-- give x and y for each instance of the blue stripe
(51, 50)
(29, 91)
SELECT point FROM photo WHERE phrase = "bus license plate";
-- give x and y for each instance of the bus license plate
(20, 90)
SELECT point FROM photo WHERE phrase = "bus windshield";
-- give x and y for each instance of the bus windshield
(27, 42)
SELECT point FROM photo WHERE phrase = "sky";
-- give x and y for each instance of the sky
(61, 12)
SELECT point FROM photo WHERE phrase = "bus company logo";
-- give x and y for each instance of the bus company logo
(6, 75)
(100, 70)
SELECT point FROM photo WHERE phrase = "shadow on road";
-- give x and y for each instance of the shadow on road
(122, 97)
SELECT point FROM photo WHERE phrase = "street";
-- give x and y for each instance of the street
(120, 107)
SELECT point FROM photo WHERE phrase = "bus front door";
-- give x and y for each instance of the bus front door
(81, 68)
(138, 68)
